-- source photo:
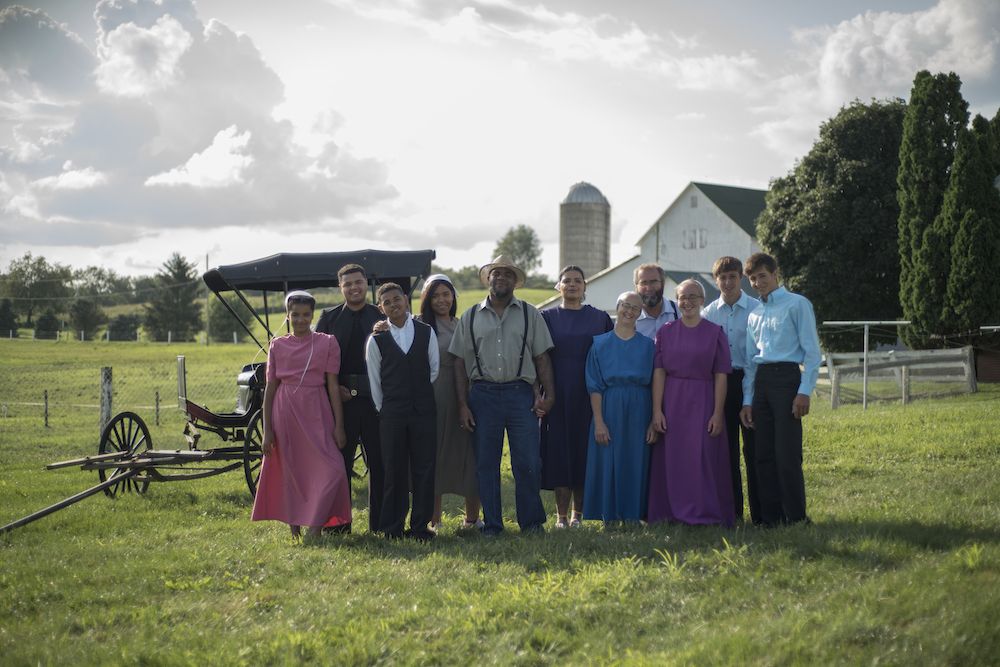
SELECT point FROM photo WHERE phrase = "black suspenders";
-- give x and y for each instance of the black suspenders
(475, 347)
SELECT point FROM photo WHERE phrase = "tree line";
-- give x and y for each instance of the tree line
(50, 297)
(895, 214)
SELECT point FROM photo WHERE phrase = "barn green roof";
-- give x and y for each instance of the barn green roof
(742, 205)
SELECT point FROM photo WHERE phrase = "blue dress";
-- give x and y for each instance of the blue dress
(564, 430)
(618, 473)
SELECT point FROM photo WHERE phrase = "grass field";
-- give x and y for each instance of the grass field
(902, 564)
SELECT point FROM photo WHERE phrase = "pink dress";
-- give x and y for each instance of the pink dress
(303, 482)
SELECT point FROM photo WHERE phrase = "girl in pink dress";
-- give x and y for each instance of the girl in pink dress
(303, 481)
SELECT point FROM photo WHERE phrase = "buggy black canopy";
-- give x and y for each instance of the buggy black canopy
(288, 271)
(306, 270)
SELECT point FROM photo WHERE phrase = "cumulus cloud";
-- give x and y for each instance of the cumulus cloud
(163, 121)
(877, 54)
(136, 61)
(221, 164)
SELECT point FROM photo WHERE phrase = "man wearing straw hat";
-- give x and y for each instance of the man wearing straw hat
(501, 347)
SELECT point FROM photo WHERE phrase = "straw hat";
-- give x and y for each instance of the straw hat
(503, 261)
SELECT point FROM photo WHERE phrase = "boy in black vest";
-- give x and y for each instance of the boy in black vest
(402, 364)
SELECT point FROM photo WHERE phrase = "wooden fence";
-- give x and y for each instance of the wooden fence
(957, 365)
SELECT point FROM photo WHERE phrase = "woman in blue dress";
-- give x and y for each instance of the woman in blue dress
(564, 429)
(619, 370)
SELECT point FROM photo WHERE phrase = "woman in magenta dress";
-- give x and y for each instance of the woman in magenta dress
(565, 429)
(689, 478)
(303, 481)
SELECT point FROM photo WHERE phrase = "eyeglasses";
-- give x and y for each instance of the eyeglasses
(629, 307)
(690, 297)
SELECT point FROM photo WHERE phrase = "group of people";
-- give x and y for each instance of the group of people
(633, 419)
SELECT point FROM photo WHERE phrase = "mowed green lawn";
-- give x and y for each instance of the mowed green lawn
(902, 564)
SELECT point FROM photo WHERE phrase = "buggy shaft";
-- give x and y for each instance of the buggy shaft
(62, 504)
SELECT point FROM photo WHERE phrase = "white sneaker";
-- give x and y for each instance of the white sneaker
(561, 523)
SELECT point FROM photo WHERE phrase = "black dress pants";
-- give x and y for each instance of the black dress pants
(409, 449)
(734, 403)
(361, 427)
(780, 483)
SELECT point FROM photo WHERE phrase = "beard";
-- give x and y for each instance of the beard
(498, 292)
(651, 300)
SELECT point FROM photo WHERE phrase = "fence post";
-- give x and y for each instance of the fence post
(234, 338)
(905, 384)
(45, 395)
(970, 368)
(834, 384)
(170, 336)
(157, 404)
(106, 395)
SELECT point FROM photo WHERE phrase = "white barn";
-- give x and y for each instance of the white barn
(703, 223)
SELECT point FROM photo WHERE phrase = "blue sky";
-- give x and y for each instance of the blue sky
(234, 129)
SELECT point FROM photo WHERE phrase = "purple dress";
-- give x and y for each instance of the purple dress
(689, 477)
(565, 431)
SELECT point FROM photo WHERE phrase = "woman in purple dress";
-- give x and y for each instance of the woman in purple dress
(565, 430)
(689, 478)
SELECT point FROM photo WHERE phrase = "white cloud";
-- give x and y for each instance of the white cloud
(72, 179)
(136, 61)
(220, 165)
(568, 36)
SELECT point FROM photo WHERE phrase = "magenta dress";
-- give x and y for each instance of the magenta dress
(303, 481)
(689, 477)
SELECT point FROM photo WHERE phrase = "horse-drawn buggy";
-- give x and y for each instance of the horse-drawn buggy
(126, 460)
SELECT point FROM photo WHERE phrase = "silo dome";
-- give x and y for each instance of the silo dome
(585, 229)
(585, 193)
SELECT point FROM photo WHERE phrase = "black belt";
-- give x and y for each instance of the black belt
(358, 385)
(499, 384)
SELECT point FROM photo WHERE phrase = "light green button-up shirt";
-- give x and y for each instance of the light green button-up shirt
(499, 340)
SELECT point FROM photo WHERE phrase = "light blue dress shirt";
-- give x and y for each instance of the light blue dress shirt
(648, 326)
(733, 320)
(782, 328)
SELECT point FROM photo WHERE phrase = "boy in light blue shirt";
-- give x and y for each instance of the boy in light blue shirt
(781, 336)
(730, 311)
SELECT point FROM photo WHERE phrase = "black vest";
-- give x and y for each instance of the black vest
(406, 378)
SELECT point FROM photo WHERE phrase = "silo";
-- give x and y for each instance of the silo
(585, 229)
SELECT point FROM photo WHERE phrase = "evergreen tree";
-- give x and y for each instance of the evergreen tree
(971, 212)
(86, 316)
(172, 307)
(832, 222)
(8, 320)
(934, 117)
(222, 324)
(47, 326)
(124, 327)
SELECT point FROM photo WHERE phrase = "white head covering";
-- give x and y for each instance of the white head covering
(437, 276)
(298, 293)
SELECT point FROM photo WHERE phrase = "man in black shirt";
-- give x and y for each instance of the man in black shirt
(351, 323)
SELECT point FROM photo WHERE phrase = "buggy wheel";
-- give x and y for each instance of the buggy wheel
(126, 432)
(251, 451)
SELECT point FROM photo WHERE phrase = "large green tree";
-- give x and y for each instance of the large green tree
(971, 214)
(832, 221)
(172, 308)
(32, 282)
(934, 118)
(102, 285)
(521, 244)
